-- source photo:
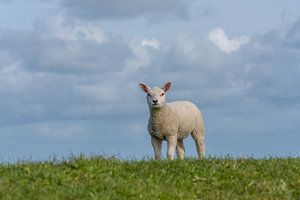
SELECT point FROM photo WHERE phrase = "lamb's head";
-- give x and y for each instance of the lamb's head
(156, 97)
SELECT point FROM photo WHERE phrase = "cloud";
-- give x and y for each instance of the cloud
(221, 40)
(264, 71)
(154, 43)
(144, 50)
(65, 45)
(292, 37)
(67, 29)
(68, 71)
(61, 70)
(120, 9)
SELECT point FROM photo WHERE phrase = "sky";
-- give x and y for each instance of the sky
(69, 74)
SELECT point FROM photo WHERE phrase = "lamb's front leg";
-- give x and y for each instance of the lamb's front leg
(156, 143)
(172, 142)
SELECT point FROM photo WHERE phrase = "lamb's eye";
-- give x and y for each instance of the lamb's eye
(149, 95)
(162, 94)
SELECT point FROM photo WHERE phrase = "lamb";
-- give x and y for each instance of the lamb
(173, 122)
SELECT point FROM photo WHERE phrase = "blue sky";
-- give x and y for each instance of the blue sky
(69, 71)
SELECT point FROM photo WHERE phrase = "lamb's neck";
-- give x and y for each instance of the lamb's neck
(156, 113)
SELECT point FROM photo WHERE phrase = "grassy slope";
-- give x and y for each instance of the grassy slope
(99, 178)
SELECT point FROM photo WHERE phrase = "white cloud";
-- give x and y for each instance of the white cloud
(74, 71)
(12, 77)
(66, 45)
(221, 40)
(154, 43)
(142, 56)
(65, 29)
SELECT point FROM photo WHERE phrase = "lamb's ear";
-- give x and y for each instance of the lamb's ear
(167, 86)
(144, 87)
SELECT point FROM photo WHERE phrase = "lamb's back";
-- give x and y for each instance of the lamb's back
(188, 114)
(184, 109)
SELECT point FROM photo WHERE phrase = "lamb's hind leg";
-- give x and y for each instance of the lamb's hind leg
(180, 149)
(198, 136)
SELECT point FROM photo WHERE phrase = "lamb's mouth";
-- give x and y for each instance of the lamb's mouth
(156, 105)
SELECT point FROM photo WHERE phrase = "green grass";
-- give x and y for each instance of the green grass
(109, 178)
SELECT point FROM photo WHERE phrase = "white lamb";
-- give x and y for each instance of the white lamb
(173, 122)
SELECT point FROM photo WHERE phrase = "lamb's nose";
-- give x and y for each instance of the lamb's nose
(155, 101)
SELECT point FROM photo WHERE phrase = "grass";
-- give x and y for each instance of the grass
(110, 178)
